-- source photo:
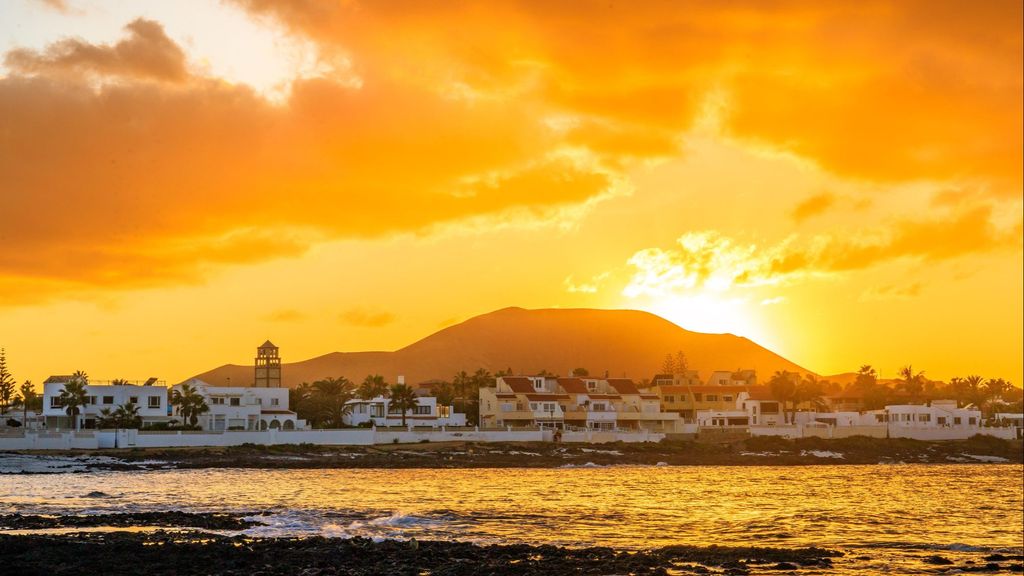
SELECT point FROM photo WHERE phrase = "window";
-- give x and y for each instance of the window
(972, 421)
(924, 418)
(275, 401)
(55, 402)
(218, 400)
(259, 401)
(154, 401)
(107, 399)
(235, 401)
(90, 400)
(670, 399)
(422, 410)
(533, 406)
(550, 406)
(727, 398)
(711, 398)
(598, 407)
(591, 385)
(696, 396)
(133, 399)
(957, 420)
(392, 409)
(446, 411)
(361, 409)
(942, 420)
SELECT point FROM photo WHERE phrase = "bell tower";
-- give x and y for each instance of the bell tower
(268, 366)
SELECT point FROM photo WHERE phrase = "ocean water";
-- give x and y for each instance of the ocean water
(883, 517)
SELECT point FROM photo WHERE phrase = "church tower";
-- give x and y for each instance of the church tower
(268, 366)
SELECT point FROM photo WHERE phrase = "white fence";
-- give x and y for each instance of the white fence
(94, 439)
(882, 431)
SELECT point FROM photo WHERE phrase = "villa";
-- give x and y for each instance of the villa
(243, 407)
(580, 403)
(150, 397)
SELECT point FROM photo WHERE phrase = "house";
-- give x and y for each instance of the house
(687, 400)
(379, 412)
(848, 400)
(722, 418)
(243, 408)
(150, 398)
(761, 406)
(582, 403)
(736, 378)
(937, 414)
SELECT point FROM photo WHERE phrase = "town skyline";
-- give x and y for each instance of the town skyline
(839, 183)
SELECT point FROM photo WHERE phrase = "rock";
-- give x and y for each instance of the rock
(937, 560)
(784, 566)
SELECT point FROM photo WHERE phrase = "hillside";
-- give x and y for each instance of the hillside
(623, 342)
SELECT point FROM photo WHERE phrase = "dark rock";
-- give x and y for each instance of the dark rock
(937, 560)
(784, 566)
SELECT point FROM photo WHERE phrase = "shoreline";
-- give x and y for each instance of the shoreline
(763, 451)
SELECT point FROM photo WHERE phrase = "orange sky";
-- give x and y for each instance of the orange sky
(839, 182)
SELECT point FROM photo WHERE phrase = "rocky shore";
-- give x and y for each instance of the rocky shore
(180, 553)
(752, 451)
(207, 521)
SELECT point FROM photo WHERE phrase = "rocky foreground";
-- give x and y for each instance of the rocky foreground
(752, 451)
(182, 553)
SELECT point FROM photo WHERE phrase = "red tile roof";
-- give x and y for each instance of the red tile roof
(573, 385)
(519, 384)
(605, 397)
(650, 396)
(623, 385)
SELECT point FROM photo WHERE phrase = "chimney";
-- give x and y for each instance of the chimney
(401, 379)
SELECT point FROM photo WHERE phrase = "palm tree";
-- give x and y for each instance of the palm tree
(403, 398)
(459, 384)
(912, 382)
(28, 396)
(373, 386)
(974, 387)
(783, 387)
(810, 390)
(73, 396)
(332, 396)
(119, 382)
(300, 399)
(189, 402)
(127, 416)
(445, 393)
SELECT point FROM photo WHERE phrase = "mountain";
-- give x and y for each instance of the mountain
(623, 342)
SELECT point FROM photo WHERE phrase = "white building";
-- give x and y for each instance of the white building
(379, 412)
(243, 408)
(150, 398)
(939, 414)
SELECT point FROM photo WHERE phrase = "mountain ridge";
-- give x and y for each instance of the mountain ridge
(629, 343)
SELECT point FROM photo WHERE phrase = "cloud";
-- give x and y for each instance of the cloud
(916, 90)
(891, 292)
(57, 5)
(590, 287)
(119, 167)
(711, 262)
(147, 53)
(364, 318)
(137, 183)
(813, 206)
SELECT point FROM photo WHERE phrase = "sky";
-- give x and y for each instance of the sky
(839, 182)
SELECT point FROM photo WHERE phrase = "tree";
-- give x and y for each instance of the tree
(372, 387)
(460, 382)
(6, 384)
(681, 363)
(404, 399)
(127, 416)
(911, 382)
(29, 399)
(974, 390)
(300, 399)
(189, 402)
(119, 382)
(332, 396)
(810, 390)
(73, 396)
(783, 386)
(668, 366)
(445, 393)
(580, 372)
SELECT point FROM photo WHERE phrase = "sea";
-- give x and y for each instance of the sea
(884, 518)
